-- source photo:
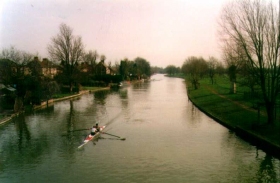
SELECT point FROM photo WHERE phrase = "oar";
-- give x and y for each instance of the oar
(114, 135)
(113, 138)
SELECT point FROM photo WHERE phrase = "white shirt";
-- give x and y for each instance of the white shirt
(93, 130)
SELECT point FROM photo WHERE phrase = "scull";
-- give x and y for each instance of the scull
(91, 137)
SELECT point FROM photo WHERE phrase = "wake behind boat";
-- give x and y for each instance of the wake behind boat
(91, 137)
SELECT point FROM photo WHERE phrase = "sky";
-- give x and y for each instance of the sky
(164, 32)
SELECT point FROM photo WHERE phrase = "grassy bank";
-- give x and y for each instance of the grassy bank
(235, 111)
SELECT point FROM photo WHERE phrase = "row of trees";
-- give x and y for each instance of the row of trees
(198, 67)
(68, 50)
(250, 36)
(137, 69)
(75, 65)
(172, 70)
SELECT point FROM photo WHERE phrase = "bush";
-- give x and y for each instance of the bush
(66, 89)
(7, 103)
(104, 80)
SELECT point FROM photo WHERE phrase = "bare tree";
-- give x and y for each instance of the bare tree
(18, 60)
(235, 60)
(253, 25)
(13, 63)
(17, 56)
(12, 54)
(90, 58)
(212, 65)
(220, 69)
(68, 50)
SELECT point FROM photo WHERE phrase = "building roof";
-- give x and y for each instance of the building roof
(46, 63)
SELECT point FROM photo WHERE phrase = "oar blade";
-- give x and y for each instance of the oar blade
(119, 138)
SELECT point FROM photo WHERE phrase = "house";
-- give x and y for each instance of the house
(85, 67)
(102, 69)
(49, 69)
(45, 67)
(33, 67)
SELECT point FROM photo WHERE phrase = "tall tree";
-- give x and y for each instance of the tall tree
(19, 57)
(172, 69)
(220, 69)
(124, 69)
(68, 50)
(12, 67)
(195, 68)
(90, 58)
(235, 59)
(253, 25)
(212, 65)
(143, 67)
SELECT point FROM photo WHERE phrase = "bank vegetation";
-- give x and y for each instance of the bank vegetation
(245, 93)
(28, 80)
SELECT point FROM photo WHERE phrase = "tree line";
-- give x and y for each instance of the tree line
(250, 38)
(197, 67)
(75, 66)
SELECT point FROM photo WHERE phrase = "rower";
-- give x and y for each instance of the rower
(93, 131)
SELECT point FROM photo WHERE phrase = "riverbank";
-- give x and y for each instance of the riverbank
(10, 115)
(44, 104)
(237, 115)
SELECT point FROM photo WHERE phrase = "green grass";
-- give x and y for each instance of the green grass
(233, 109)
(62, 95)
(176, 75)
(90, 88)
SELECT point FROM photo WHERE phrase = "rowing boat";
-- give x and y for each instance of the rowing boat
(91, 137)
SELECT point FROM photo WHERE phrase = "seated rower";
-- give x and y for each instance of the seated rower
(93, 131)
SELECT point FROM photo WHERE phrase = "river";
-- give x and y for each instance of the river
(167, 139)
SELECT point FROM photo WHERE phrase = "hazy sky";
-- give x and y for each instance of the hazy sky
(163, 32)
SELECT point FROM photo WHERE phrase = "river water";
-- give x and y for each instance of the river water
(167, 139)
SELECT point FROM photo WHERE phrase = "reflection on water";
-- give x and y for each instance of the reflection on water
(266, 171)
(167, 140)
(23, 132)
